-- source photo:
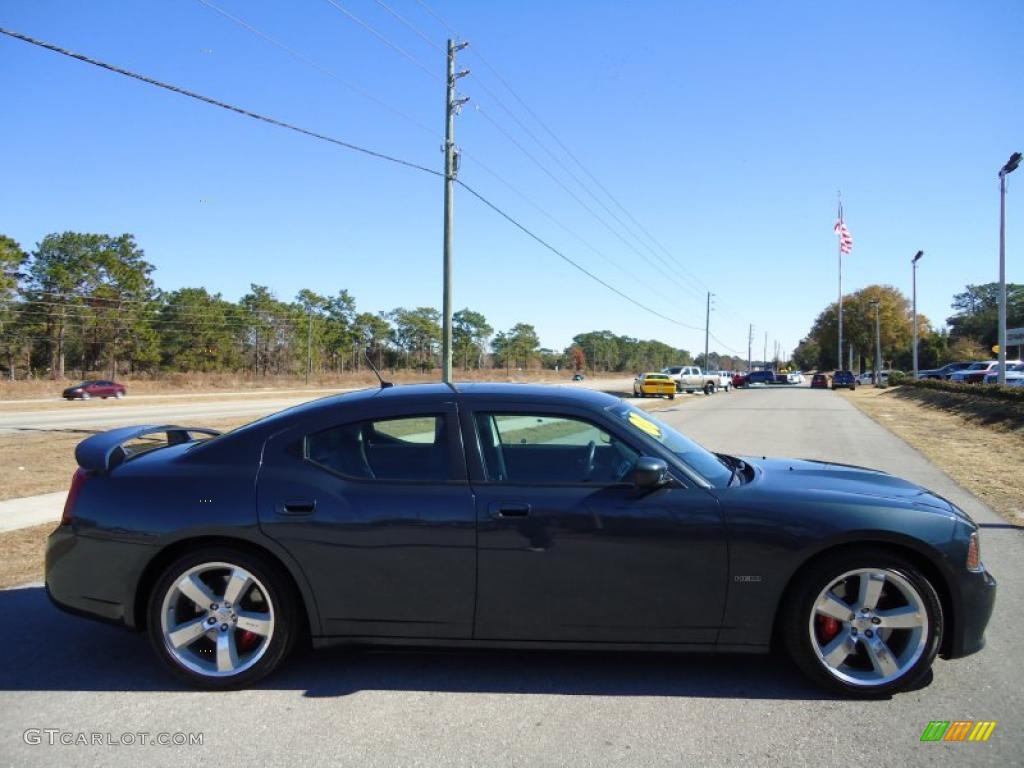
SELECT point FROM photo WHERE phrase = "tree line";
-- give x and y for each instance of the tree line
(971, 334)
(82, 304)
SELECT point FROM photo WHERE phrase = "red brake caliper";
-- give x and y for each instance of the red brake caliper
(827, 627)
(246, 639)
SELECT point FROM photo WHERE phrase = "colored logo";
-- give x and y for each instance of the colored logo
(958, 730)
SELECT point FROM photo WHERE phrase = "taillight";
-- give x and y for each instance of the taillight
(77, 481)
(974, 553)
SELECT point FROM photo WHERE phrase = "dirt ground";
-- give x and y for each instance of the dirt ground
(23, 553)
(986, 459)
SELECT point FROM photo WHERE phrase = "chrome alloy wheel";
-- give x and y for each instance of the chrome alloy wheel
(217, 619)
(869, 627)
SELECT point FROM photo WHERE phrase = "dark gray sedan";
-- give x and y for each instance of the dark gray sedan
(508, 516)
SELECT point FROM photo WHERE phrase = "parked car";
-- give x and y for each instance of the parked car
(820, 381)
(942, 373)
(975, 374)
(844, 379)
(868, 377)
(739, 380)
(724, 380)
(578, 377)
(760, 377)
(572, 519)
(1014, 373)
(795, 377)
(690, 378)
(95, 388)
(654, 385)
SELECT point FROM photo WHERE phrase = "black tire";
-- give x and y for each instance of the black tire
(279, 594)
(671, 397)
(635, 394)
(798, 612)
(709, 388)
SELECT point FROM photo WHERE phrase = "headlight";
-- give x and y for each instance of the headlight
(974, 554)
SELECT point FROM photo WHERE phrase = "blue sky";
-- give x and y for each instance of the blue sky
(725, 129)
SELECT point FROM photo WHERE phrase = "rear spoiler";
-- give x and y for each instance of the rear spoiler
(105, 451)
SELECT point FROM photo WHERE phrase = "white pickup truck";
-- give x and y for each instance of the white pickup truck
(690, 378)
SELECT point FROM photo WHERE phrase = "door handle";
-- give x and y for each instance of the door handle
(510, 509)
(298, 507)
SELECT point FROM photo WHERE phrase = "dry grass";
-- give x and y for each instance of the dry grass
(24, 554)
(985, 458)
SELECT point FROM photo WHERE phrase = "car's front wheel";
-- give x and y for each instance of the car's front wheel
(864, 624)
(220, 618)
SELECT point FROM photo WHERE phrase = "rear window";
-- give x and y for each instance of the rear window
(413, 449)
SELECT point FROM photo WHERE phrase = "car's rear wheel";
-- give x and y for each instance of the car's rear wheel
(709, 388)
(864, 624)
(220, 618)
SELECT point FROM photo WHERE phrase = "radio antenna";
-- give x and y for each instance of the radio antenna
(383, 384)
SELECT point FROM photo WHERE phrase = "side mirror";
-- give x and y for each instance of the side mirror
(650, 473)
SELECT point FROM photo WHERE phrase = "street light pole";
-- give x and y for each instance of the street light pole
(878, 345)
(1010, 167)
(913, 262)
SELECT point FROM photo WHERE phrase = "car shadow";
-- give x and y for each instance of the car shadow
(45, 649)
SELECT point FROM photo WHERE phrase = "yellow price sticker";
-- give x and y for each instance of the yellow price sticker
(646, 425)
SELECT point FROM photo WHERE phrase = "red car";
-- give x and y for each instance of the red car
(95, 388)
(739, 380)
(820, 381)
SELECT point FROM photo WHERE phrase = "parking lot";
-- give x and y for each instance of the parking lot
(459, 708)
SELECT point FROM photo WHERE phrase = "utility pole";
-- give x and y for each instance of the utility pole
(750, 345)
(707, 330)
(764, 360)
(878, 346)
(451, 168)
(309, 343)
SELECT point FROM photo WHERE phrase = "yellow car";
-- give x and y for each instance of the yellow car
(653, 385)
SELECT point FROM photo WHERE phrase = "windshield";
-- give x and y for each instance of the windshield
(695, 456)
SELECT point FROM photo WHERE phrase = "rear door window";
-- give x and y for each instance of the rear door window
(410, 449)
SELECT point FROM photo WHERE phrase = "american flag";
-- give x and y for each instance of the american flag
(845, 238)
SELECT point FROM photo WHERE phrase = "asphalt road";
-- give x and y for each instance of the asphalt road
(536, 709)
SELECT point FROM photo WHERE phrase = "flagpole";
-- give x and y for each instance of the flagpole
(839, 246)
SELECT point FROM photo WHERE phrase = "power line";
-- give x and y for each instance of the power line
(410, 25)
(324, 70)
(562, 256)
(576, 197)
(384, 40)
(572, 175)
(443, 23)
(345, 144)
(217, 103)
(494, 71)
(319, 67)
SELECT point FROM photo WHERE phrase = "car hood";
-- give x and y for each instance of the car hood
(827, 478)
